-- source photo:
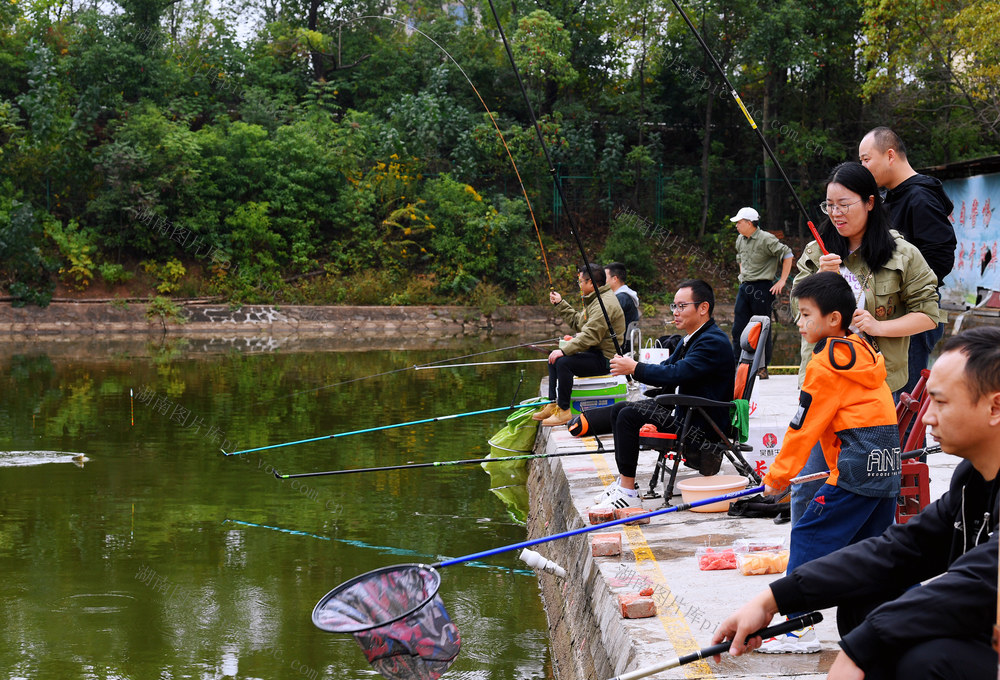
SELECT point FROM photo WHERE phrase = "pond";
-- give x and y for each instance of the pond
(161, 558)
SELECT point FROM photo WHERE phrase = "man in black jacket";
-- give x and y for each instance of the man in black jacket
(888, 627)
(702, 366)
(919, 210)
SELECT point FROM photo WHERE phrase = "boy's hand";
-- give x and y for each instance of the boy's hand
(554, 297)
(771, 491)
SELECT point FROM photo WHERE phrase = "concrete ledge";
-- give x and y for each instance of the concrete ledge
(63, 318)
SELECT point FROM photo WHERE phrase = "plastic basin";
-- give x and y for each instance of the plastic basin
(700, 488)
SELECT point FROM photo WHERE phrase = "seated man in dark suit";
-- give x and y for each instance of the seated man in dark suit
(702, 366)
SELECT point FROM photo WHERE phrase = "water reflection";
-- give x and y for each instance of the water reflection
(128, 568)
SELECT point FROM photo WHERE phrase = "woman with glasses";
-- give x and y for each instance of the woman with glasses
(895, 288)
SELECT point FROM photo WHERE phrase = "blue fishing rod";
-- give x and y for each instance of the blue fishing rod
(435, 419)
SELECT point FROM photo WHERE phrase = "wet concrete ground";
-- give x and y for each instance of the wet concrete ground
(691, 602)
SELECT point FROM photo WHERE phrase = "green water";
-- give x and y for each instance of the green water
(141, 563)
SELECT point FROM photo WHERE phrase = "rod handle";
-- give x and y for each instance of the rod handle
(810, 619)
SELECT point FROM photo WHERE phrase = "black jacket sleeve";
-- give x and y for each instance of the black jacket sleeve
(960, 601)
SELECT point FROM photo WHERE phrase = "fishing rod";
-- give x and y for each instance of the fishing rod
(529, 345)
(760, 135)
(410, 591)
(788, 626)
(438, 463)
(625, 520)
(539, 402)
(558, 185)
(481, 363)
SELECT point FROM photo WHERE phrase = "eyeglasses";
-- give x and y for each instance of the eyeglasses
(679, 306)
(842, 208)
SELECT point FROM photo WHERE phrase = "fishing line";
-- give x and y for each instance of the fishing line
(558, 185)
(410, 27)
(530, 345)
(482, 363)
(760, 135)
(384, 549)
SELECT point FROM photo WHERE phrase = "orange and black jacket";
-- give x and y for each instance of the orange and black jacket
(847, 407)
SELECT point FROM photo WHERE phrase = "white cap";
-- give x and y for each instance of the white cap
(746, 214)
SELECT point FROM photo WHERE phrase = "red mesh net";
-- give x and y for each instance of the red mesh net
(397, 617)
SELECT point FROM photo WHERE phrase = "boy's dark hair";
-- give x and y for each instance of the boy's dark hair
(701, 292)
(617, 270)
(599, 277)
(981, 347)
(877, 245)
(831, 293)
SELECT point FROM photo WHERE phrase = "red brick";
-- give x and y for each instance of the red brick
(601, 515)
(606, 545)
(636, 607)
(622, 513)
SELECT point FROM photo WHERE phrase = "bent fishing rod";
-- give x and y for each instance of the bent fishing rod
(555, 182)
(436, 419)
(753, 124)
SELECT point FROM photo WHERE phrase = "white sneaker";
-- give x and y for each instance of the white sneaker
(617, 498)
(801, 641)
(608, 490)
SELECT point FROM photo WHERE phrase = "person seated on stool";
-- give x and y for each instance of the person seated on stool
(702, 366)
(587, 353)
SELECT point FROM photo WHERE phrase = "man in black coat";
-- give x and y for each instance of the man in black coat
(702, 366)
(890, 628)
(919, 210)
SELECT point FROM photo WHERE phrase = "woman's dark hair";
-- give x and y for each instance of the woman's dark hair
(877, 245)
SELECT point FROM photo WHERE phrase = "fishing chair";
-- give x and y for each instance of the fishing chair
(700, 453)
(914, 492)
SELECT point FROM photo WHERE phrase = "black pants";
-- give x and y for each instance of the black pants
(939, 659)
(626, 419)
(753, 299)
(586, 363)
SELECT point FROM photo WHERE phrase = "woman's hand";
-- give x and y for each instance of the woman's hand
(866, 323)
(830, 263)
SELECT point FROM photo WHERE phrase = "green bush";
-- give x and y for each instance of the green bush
(113, 273)
(628, 244)
(24, 270)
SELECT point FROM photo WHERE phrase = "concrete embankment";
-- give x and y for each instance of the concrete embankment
(590, 638)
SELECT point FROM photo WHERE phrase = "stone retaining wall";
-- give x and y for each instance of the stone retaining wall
(582, 646)
(63, 318)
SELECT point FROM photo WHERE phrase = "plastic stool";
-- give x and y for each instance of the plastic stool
(914, 493)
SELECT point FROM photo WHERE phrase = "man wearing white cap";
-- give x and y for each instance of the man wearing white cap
(758, 253)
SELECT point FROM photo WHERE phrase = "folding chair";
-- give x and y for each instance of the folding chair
(914, 492)
(675, 447)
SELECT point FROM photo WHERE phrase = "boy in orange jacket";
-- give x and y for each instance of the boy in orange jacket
(846, 405)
